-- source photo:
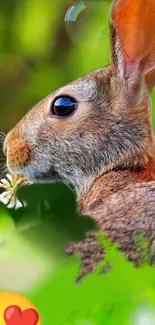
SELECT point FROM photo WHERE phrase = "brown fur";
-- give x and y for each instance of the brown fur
(19, 153)
(106, 149)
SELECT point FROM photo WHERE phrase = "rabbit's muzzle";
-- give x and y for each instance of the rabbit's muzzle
(17, 151)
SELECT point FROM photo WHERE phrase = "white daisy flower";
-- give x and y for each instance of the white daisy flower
(11, 184)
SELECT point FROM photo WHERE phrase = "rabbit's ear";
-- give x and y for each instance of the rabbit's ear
(133, 38)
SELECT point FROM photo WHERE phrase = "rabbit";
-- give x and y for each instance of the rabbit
(96, 136)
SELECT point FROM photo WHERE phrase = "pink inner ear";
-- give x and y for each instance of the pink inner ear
(128, 67)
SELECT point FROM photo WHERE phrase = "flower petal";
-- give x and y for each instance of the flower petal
(4, 198)
(9, 177)
(3, 186)
(14, 178)
(23, 182)
(18, 205)
(11, 204)
(5, 182)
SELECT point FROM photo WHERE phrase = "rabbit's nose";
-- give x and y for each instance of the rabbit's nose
(17, 150)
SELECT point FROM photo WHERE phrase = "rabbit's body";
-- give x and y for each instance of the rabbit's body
(121, 206)
(96, 133)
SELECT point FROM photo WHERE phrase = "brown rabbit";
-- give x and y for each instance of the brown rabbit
(96, 135)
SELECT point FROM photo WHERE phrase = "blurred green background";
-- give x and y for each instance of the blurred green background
(44, 45)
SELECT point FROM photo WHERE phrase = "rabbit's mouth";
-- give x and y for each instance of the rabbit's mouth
(36, 174)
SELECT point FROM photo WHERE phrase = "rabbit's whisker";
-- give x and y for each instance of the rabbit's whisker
(2, 134)
(3, 170)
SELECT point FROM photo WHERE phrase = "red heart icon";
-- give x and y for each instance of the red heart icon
(13, 315)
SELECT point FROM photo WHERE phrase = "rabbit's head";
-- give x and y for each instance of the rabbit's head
(97, 123)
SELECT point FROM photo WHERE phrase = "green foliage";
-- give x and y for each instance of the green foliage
(113, 298)
(41, 233)
(142, 247)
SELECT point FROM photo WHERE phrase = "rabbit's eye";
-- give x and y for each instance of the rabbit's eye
(64, 106)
